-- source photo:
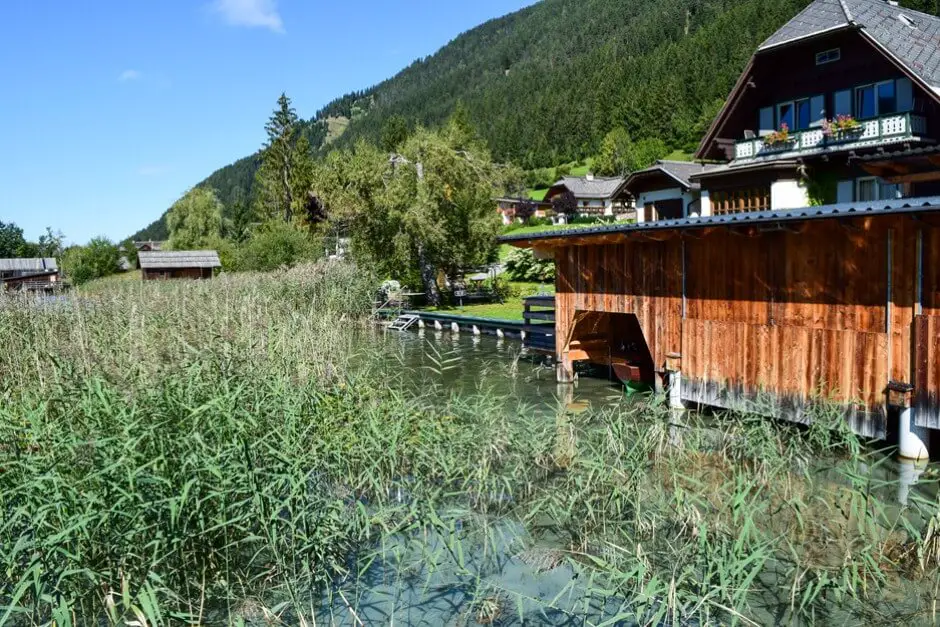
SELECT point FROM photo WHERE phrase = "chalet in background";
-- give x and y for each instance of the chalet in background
(178, 264)
(37, 274)
(667, 191)
(149, 246)
(596, 195)
(810, 267)
(507, 208)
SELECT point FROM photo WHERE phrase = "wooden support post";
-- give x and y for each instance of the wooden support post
(565, 369)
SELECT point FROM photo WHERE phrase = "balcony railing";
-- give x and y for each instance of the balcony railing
(871, 132)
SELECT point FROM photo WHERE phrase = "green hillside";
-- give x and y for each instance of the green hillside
(544, 85)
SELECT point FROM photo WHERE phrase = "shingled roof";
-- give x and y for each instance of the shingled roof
(594, 187)
(913, 38)
(176, 259)
(47, 264)
(680, 171)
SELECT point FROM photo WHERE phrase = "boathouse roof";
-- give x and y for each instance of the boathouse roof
(169, 260)
(37, 264)
(909, 36)
(752, 218)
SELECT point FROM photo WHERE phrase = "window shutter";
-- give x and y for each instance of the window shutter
(766, 120)
(905, 92)
(817, 110)
(845, 191)
(843, 102)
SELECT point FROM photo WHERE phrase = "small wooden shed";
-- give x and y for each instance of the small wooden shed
(178, 264)
(29, 274)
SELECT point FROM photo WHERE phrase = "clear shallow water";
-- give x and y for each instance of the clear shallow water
(502, 574)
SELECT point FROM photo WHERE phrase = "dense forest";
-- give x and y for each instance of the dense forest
(544, 85)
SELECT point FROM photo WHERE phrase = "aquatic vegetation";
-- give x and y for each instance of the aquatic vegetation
(246, 452)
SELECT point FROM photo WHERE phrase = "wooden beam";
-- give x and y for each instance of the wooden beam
(921, 177)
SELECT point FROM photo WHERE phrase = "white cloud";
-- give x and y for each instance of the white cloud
(251, 13)
(129, 75)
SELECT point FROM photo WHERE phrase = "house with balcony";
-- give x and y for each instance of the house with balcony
(666, 190)
(840, 105)
(811, 275)
(597, 196)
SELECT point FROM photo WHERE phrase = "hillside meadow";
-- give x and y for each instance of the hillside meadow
(239, 451)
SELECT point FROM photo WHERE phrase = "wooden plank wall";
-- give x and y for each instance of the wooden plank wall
(643, 278)
(826, 312)
(927, 335)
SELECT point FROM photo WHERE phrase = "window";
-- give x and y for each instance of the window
(887, 98)
(803, 115)
(785, 115)
(882, 99)
(866, 190)
(842, 102)
(828, 56)
(870, 189)
(865, 103)
(797, 115)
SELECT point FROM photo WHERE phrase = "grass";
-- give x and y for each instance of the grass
(680, 155)
(243, 451)
(512, 309)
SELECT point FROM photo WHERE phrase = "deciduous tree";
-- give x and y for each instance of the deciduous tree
(194, 219)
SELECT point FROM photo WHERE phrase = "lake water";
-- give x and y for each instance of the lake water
(524, 585)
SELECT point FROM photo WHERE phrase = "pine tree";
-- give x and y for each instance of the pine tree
(286, 171)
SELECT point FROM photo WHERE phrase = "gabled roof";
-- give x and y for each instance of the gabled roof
(177, 259)
(679, 171)
(28, 265)
(597, 187)
(909, 39)
(913, 38)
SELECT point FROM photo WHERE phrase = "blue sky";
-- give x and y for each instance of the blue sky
(110, 110)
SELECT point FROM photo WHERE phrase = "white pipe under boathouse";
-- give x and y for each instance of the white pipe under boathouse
(913, 441)
(674, 381)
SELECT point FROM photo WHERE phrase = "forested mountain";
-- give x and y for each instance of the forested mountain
(544, 85)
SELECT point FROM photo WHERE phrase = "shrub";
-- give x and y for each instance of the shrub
(521, 265)
(276, 245)
(100, 258)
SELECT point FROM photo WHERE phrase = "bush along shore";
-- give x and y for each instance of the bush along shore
(227, 452)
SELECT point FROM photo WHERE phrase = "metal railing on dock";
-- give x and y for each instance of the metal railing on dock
(539, 316)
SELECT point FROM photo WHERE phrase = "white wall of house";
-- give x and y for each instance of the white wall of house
(706, 209)
(788, 194)
(671, 193)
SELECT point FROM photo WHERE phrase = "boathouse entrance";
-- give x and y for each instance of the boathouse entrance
(612, 339)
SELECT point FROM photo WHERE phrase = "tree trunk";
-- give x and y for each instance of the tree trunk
(429, 279)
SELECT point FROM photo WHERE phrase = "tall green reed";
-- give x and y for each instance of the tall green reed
(229, 452)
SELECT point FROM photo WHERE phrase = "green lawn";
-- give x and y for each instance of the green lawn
(510, 310)
(679, 155)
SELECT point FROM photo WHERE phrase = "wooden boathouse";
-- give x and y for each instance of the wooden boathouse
(808, 265)
(178, 264)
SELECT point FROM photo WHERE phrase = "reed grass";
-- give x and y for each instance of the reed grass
(241, 452)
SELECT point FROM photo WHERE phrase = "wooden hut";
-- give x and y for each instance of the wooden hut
(35, 274)
(764, 301)
(178, 264)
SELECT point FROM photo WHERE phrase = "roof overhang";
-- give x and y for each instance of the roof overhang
(641, 176)
(761, 220)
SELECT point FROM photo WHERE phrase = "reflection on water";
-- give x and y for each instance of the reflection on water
(465, 363)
